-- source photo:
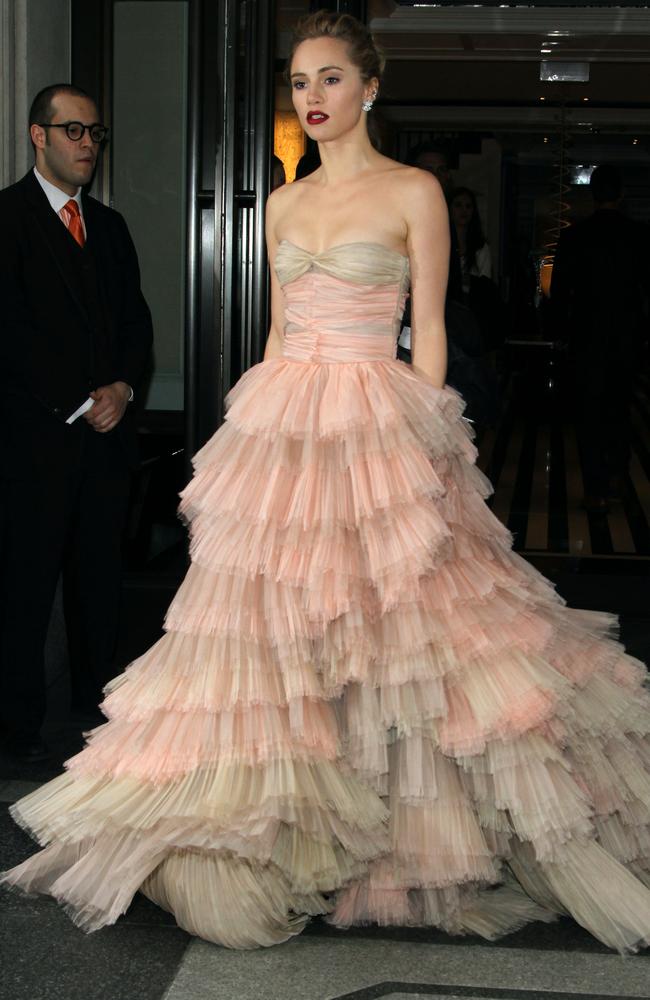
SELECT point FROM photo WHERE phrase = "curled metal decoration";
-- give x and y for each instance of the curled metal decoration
(561, 206)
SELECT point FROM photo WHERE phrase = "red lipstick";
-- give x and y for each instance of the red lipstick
(316, 117)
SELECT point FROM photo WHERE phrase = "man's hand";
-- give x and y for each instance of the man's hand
(109, 406)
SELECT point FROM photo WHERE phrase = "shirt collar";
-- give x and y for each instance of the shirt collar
(56, 197)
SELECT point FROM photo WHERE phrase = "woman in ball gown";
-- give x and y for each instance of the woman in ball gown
(365, 704)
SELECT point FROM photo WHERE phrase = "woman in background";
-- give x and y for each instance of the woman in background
(472, 247)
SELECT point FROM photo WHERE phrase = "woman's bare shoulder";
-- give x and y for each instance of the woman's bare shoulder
(422, 197)
(407, 181)
(421, 182)
(292, 189)
(277, 204)
(410, 194)
(279, 199)
(284, 200)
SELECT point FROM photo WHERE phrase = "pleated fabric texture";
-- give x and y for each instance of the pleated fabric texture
(365, 705)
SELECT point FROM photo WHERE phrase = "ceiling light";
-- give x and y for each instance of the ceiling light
(542, 98)
(585, 98)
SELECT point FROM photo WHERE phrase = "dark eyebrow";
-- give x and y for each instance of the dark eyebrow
(321, 70)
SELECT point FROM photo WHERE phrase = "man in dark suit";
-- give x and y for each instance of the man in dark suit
(599, 299)
(75, 344)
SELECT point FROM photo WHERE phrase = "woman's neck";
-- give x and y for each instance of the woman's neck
(345, 158)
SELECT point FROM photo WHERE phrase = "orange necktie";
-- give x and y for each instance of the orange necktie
(74, 223)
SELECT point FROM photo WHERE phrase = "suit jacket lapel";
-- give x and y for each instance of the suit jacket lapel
(93, 231)
(54, 235)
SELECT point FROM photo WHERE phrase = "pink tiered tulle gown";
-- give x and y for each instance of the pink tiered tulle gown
(365, 703)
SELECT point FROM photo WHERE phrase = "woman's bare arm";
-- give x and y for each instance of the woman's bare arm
(427, 242)
(275, 338)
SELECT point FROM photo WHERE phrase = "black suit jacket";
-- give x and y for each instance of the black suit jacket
(47, 346)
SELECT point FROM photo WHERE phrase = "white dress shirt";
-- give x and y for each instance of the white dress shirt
(58, 198)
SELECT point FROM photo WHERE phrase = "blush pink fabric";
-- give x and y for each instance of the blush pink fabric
(365, 704)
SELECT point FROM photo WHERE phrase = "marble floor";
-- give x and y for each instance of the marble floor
(144, 956)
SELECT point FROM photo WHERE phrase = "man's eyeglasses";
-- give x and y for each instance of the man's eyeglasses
(75, 130)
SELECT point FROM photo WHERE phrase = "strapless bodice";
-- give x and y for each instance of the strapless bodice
(343, 304)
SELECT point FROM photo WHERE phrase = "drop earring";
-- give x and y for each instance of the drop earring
(367, 104)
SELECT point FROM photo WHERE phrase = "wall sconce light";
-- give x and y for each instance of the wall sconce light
(289, 141)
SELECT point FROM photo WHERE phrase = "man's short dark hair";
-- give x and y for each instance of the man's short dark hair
(606, 184)
(42, 111)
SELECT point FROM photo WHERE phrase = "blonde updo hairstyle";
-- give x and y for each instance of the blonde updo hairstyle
(363, 52)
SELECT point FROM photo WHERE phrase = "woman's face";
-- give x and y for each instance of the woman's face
(327, 88)
(462, 210)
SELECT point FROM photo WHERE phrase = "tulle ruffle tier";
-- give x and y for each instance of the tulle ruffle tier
(365, 703)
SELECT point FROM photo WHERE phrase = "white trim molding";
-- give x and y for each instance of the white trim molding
(583, 20)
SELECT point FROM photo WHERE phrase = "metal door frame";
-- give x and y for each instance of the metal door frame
(229, 149)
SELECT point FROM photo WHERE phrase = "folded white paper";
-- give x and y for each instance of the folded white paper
(80, 410)
(405, 338)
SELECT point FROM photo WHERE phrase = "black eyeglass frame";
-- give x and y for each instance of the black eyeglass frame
(89, 128)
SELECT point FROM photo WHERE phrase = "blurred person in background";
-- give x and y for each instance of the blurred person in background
(600, 289)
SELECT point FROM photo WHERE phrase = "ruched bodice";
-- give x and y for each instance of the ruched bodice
(343, 304)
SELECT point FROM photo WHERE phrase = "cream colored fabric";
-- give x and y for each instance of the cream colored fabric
(368, 263)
